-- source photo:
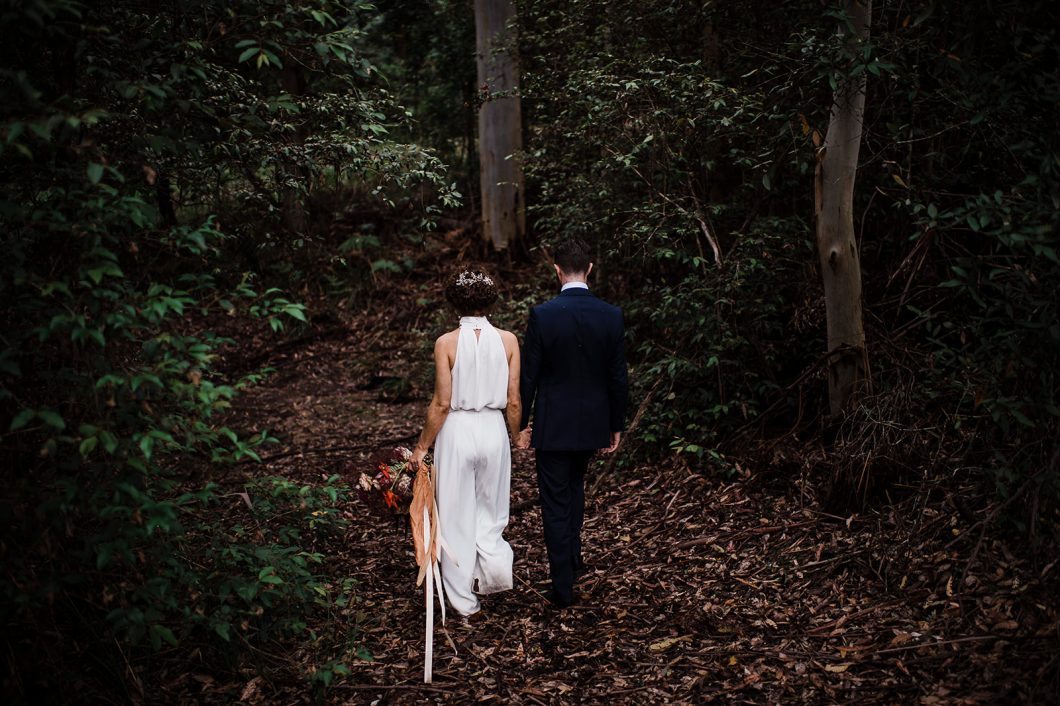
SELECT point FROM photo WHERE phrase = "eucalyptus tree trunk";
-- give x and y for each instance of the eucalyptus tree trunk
(837, 161)
(499, 124)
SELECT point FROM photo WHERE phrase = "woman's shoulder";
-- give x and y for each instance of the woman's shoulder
(508, 338)
(447, 340)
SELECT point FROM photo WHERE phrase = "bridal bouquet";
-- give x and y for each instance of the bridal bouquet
(394, 488)
(388, 485)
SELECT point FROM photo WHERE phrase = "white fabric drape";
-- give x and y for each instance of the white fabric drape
(480, 373)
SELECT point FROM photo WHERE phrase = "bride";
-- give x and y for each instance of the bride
(476, 386)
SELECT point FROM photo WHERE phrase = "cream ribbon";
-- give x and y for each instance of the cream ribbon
(428, 552)
(434, 577)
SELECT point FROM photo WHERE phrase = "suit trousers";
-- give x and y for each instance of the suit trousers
(561, 484)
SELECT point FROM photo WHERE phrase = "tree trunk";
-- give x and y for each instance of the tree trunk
(837, 161)
(499, 124)
(167, 215)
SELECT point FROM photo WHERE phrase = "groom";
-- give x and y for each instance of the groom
(574, 377)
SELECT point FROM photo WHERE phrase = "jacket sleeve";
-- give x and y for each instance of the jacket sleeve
(530, 367)
(618, 379)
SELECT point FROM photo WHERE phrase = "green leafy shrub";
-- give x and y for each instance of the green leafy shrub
(657, 161)
(669, 132)
(157, 164)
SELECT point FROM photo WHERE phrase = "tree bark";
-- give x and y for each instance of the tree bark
(499, 124)
(837, 160)
(167, 214)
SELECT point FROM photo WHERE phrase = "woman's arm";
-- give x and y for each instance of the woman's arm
(438, 409)
(514, 410)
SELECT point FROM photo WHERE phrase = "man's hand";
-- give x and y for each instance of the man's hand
(523, 440)
(616, 438)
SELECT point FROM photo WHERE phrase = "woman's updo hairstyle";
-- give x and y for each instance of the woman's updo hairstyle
(470, 291)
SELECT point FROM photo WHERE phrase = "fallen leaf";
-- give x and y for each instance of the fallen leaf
(900, 638)
(667, 643)
(252, 691)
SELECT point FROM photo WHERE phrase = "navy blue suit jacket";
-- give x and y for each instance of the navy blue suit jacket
(574, 372)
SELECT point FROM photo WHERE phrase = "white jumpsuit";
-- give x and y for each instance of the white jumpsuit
(473, 469)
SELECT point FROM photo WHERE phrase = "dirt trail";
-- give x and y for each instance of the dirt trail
(699, 589)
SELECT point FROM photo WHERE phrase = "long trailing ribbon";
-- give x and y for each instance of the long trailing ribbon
(433, 544)
(428, 651)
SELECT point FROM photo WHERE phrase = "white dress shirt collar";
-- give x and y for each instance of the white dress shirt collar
(573, 285)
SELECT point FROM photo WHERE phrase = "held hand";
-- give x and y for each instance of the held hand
(616, 438)
(418, 455)
(522, 441)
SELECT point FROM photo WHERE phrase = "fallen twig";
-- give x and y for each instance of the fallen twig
(627, 434)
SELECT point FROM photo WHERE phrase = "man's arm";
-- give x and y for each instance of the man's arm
(618, 382)
(531, 367)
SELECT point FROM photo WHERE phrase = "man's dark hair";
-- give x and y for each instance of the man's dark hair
(572, 255)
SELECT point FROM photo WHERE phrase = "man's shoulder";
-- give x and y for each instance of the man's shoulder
(598, 303)
(611, 307)
(587, 300)
(547, 307)
(548, 304)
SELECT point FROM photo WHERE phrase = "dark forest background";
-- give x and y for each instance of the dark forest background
(181, 178)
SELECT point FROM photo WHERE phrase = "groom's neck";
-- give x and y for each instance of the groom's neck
(576, 277)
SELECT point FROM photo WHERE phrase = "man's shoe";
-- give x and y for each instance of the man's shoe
(557, 601)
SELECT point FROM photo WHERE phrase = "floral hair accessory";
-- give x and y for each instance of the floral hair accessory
(470, 277)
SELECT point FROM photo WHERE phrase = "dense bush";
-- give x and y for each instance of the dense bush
(662, 129)
(672, 165)
(154, 162)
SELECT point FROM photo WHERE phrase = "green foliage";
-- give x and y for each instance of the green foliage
(156, 162)
(264, 580)
(661, 130)
(426, 48)
(974, 184)
(650, 153)
(715, 345)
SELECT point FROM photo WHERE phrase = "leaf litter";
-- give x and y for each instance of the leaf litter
(698, 589)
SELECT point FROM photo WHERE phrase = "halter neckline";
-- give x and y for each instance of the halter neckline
(474, 321)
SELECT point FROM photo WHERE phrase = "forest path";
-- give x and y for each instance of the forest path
(698, 589)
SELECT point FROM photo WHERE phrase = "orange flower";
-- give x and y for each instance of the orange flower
(391, 499)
